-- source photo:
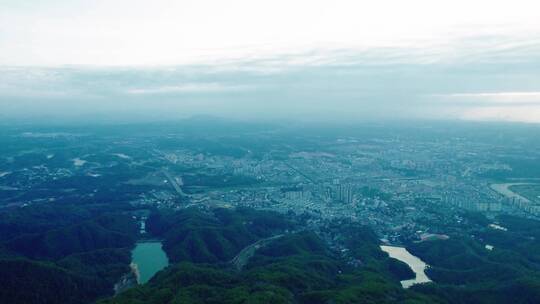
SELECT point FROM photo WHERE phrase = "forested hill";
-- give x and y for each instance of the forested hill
(296, 266)
(302, 264)
(72, 253)
(242, 255)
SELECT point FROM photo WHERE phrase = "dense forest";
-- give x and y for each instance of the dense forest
(467, 272)
(64, 254)
(240, 255)
(301, 267)
(296, 266)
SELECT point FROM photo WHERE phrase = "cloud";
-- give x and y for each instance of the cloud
(165, 32)
(190, 88)
(436, 81)
(509, 99)
(529, 114)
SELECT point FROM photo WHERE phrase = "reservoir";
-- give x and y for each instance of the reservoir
(417, 265)
(148, 258)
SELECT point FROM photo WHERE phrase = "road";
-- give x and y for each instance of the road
(241, 259)
(173, 182)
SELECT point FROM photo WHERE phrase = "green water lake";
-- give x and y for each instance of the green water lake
(149, 258)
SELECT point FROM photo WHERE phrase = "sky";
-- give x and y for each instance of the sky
(303, 60)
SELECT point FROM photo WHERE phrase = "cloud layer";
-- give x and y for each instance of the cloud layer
(307, 60)
(499, 83)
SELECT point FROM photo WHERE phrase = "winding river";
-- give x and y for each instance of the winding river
(504, 189)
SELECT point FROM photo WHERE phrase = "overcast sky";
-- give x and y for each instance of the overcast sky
(474, 60)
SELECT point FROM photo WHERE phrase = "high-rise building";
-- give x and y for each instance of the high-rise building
(343, 193)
